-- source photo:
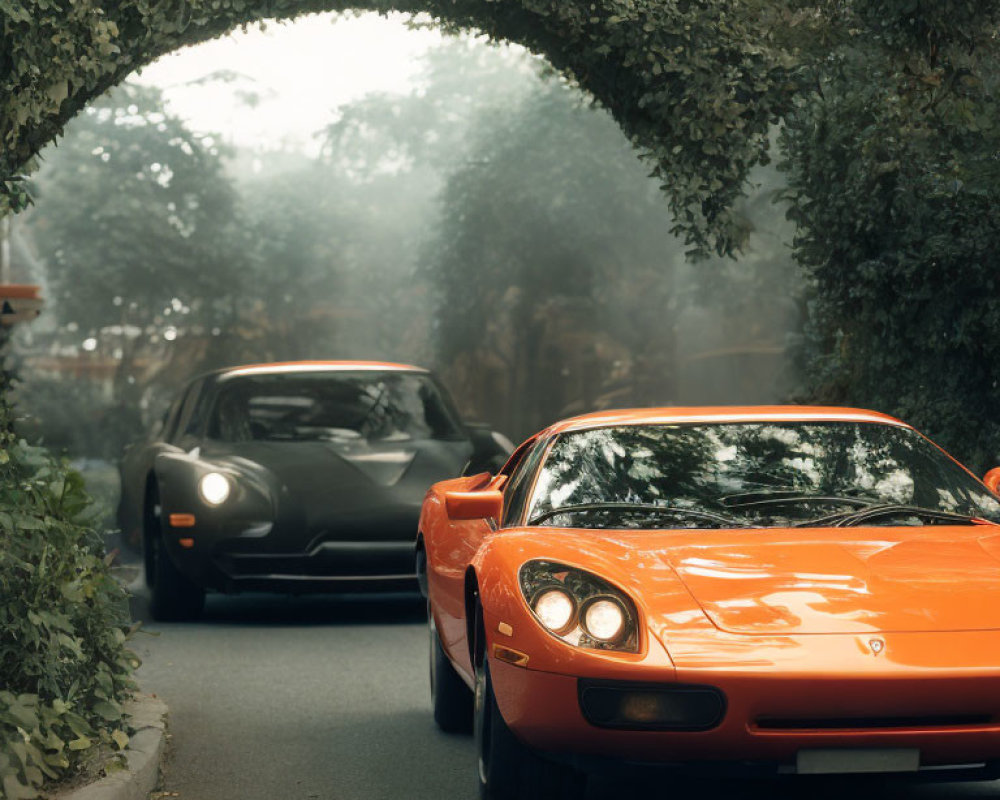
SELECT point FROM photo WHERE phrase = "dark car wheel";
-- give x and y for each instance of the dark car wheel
(507, 769)
(174, 597)
(450, 697)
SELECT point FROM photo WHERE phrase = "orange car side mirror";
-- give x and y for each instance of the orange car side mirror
(474, 505)
(992, 479)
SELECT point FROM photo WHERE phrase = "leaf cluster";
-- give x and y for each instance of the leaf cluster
(64, 623)
(895, 190)
(694, 85)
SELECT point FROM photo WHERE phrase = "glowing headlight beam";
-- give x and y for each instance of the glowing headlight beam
(214, 488)
(604, 620)
(555, 608)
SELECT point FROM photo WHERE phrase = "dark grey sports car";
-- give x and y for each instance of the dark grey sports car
(299, 477)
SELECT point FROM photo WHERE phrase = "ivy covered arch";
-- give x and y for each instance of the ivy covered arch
(696, 86)
(887, 115)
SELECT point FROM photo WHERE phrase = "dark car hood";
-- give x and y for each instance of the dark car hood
(352, 490)
(300, 463)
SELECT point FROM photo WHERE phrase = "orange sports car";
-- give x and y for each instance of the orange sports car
(784, 589)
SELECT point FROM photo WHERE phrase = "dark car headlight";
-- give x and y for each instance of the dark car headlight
(214, 488)
(579, 607)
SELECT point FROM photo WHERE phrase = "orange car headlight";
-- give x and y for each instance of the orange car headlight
(579, 607)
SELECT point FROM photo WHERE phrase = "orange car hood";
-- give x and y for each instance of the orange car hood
(825, 581)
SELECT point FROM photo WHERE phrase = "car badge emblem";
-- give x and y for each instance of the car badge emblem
(877, 645)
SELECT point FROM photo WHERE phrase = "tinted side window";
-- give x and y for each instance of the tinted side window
(195, 424)
(190, 399)
(523, 480)
(173, 415)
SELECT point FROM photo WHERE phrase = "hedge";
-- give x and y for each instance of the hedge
(65, 668)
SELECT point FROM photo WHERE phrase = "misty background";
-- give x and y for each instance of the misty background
(462, 208)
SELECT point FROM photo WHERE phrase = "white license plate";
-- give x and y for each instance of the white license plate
(827, 762)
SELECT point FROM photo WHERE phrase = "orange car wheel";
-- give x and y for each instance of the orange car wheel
(450, 697)
(507, 769)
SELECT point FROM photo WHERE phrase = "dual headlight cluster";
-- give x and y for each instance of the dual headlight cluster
(580, 608)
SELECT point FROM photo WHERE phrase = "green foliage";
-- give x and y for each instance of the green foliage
(144, 247)
(889, 115)
(572, 262)
(63, 624)
(895, 188)
(695, 85)
(140, 205)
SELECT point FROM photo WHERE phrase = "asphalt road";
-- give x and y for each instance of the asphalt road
(275, 698)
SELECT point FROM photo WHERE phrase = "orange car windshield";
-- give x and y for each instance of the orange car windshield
(753, 474)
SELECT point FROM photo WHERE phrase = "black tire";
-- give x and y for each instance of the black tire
(174, 597)
(508, 770)
(450, 697)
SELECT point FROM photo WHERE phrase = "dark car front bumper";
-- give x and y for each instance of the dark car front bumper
(231, 558)
(342, 566)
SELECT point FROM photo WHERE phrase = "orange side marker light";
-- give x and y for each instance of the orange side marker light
(182, 520)
(186, 543)
(510, 655)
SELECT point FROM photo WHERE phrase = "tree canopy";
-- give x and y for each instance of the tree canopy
(886, 111)
(696, 85)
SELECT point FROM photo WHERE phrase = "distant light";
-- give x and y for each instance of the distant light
(170, 334)
(117, 300)
(89, 344)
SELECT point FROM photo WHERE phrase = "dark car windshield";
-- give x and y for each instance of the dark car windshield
(752, 474)
(332, 405)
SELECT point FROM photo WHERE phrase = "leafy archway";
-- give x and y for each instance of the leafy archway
(887, 111)
(695, 85)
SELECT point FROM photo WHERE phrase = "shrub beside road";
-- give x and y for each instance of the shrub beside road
(65, 668)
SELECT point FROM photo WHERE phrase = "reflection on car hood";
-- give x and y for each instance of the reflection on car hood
(924, 579)
(351, 462)
(859, 581)
(784, 583)
(325, 481)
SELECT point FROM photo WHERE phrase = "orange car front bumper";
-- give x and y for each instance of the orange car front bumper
(769, 717)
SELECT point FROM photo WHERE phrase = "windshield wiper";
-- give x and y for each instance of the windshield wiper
(846, 519)
(782, 497)
(583, 508)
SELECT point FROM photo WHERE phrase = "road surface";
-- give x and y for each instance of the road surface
(275, 698)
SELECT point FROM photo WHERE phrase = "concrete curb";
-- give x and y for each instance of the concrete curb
(143, 754)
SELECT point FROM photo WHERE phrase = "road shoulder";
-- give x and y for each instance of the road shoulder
(148, 719)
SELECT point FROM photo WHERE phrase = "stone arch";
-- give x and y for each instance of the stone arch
(696, 96)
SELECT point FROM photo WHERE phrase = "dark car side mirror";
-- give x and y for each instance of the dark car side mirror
(992, 479)
(485, 504)
(490, 449)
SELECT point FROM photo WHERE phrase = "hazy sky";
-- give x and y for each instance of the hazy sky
(301, 72)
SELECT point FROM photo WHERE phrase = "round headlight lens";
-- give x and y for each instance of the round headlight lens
(604, 620)
(555, 608)
(214, 488)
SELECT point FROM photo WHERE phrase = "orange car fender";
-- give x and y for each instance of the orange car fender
(450, 545)
(509, 623)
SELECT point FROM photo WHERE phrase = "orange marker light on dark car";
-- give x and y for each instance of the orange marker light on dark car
(186, 543)
(182, 520)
